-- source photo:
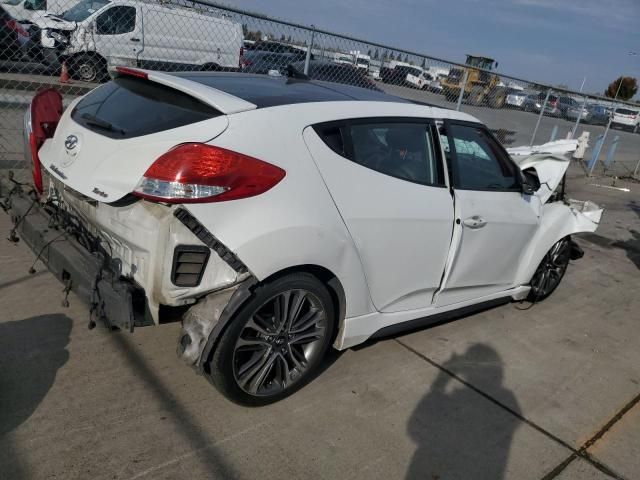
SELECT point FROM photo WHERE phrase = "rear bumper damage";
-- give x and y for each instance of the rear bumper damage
(90, 275)
(96, 274)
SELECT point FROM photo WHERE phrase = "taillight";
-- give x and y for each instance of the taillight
(44, 114)
(16, 27)
(196, 172)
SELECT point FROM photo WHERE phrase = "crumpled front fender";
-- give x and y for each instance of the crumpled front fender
(558, 220)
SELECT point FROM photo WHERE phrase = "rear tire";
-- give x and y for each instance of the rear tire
(276, 342)
(550, 271)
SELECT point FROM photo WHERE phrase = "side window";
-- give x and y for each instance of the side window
(116, 21)
(400, 150)
(35, 5)
(479, 163)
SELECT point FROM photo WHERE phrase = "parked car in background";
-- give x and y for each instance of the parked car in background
(334, 225)
(390, 74)
(338, 73)
(564, 104)
(275, 47)
(597, 115)
(534, 102)
(257, 61)
(29, 10)
(515, 98)
(95, 33)
(13, 36)
(626, 119)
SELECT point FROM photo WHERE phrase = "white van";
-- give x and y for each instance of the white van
(96, 34)
(29, 10)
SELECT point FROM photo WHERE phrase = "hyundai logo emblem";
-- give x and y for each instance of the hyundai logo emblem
(71, 142)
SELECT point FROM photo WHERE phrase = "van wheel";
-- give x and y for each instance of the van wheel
(87, 68)
(276, 342)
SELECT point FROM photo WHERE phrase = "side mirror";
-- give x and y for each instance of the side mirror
(528, 189)
(529, 182)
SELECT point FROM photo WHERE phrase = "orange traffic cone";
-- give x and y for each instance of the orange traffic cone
(64, 73)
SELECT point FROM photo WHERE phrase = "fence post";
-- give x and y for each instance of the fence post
(554, 132)
(544, 106)
(604, 137)
(575, 127)
(611, 152)
(309, 47)
(464, 84)
(635, 172)
(595, 153)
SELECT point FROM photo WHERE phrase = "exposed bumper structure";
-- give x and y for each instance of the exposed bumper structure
(89, 275)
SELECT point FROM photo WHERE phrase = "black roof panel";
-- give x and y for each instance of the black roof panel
(269, 91)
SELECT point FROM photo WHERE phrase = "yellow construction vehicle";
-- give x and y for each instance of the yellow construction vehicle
(481, 86)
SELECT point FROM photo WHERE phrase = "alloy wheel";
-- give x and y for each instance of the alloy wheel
(279, 342)
(551, 270)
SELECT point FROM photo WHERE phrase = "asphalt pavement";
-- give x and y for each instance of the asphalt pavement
(544, 391)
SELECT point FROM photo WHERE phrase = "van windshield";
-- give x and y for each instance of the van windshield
(11, 2)
(83, 10)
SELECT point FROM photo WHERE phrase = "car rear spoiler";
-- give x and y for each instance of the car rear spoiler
(221, 101)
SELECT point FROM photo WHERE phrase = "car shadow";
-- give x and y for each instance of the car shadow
(631, 246)
(31, 353)
(458, 433)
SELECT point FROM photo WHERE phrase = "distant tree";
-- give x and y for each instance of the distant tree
(289, 39)
(424, 63)
(245, 30)
(563, 86)
(282, 38)
(376, 54)
(628, 88)
(406, 58)
(369, 53)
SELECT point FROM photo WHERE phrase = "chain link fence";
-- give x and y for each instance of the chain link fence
(73, 45)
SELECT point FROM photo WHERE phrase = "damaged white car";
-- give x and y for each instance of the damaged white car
(286, 216)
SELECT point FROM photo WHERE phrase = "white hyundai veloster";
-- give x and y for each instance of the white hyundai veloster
(284, 216)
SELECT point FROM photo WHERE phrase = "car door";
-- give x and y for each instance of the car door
(494, 219)
(387, 181)
(118, 33)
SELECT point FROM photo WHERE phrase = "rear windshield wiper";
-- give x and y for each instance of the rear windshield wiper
(98, 122)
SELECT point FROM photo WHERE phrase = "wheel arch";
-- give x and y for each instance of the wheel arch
(244, 292)
(558, 221)
(71, 59)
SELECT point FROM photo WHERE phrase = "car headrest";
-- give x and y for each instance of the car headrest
(406, 138)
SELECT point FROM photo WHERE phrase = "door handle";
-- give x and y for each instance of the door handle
(134, 39)
(475, 222)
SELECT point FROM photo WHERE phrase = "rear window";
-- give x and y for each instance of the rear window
(131, 107)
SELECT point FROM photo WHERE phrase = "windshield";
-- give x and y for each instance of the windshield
(363, 61)
(624, 111)
(83, 10)
(11, 2)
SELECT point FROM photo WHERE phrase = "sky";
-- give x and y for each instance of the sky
(550, 41)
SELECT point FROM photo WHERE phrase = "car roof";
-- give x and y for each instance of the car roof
(270, 91)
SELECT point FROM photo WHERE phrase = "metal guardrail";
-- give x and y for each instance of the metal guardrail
(86, 38)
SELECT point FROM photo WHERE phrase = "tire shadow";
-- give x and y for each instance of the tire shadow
(31, 353)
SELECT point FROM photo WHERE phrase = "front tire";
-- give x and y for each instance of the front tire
(276, 342)
(87, 68)
(550, 271)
